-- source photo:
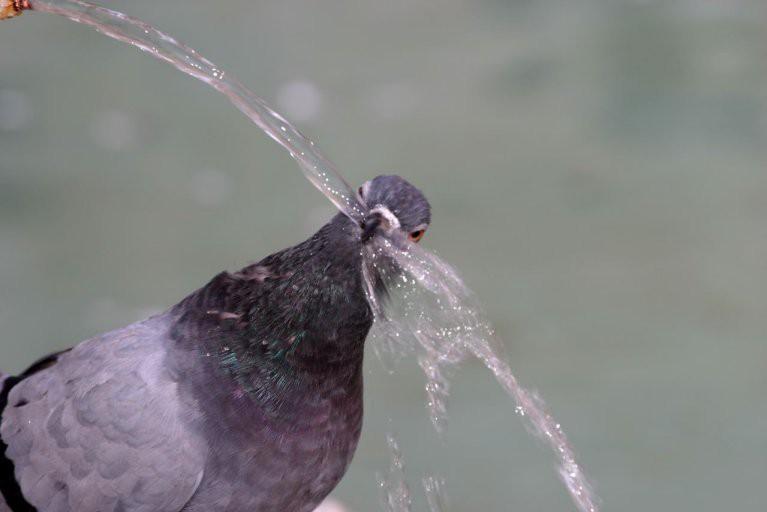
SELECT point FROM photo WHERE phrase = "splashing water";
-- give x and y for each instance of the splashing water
(395, 493)
(429, 312)
(427, 299)
(434, 487)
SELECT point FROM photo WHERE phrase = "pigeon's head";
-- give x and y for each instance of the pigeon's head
(394, 205)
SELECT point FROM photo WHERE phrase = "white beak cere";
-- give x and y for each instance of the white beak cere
(392, 222)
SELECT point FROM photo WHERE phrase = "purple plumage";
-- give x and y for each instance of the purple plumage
(245, 396)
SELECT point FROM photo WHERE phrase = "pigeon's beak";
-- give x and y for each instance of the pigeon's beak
(370, 226)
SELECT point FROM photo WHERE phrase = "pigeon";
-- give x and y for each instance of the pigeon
(244, 396)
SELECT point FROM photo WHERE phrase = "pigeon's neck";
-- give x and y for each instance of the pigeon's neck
(297, 319)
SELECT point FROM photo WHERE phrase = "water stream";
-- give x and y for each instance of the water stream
(430, 313)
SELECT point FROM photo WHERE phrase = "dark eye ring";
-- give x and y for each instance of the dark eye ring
(416, 236)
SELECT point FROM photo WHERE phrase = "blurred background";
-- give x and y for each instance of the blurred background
(596, 170)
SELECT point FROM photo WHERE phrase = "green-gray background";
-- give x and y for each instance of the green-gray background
(597, 173)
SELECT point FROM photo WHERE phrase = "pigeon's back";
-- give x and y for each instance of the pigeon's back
(101, 427)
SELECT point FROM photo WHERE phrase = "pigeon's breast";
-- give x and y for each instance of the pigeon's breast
(289, 459)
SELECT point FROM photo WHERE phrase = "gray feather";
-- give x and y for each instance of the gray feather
(104, 428)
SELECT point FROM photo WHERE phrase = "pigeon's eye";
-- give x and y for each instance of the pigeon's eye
(416, 236)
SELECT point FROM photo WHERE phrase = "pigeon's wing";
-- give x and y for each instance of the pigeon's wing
(105, 429)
